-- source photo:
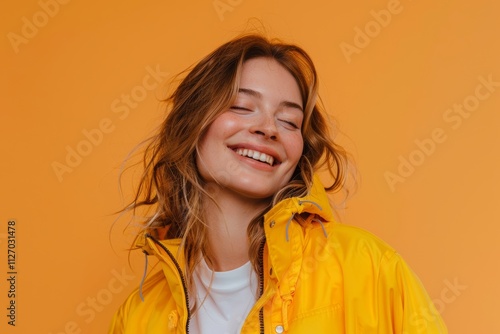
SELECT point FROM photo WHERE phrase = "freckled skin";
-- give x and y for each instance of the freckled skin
(262, 117)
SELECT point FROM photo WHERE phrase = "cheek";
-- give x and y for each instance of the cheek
(213, 136)
(225, 122)
(211, 145)
(295, 148)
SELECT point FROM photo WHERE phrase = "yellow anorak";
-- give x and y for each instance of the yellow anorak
(320, 276)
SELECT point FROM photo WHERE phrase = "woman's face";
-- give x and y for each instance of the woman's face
(252, 149)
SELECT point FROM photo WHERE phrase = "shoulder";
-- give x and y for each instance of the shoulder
(365, 274)
(359, 255)
(349, 236)
(350, 246)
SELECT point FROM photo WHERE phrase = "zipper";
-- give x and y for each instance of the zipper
(183, 280)
(261, 284)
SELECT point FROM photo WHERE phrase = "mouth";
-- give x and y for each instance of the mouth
(256, 155)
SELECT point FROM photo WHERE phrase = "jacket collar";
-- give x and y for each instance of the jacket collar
(283, 235)
(315, 202)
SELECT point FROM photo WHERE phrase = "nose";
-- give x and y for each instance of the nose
(265, 125)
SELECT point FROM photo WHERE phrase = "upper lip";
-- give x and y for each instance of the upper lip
(259, 148)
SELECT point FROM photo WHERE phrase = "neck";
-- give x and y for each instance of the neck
(227, 220)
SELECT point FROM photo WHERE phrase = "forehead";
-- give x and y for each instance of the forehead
(270, 78)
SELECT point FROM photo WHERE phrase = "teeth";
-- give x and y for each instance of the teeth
(256, 155)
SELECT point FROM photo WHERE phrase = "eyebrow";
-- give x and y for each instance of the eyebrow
(258, 95)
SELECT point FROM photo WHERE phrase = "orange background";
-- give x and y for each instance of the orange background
(69, 76)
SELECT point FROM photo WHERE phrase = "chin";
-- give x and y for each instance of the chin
(253, 192)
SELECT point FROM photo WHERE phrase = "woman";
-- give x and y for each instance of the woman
(240, 222)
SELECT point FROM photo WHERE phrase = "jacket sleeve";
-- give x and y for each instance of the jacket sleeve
(404, 301)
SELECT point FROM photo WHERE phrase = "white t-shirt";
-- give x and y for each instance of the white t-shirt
(225, 298)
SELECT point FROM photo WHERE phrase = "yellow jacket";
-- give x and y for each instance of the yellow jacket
(319, 277)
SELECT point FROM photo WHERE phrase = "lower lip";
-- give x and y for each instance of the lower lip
(254, 163)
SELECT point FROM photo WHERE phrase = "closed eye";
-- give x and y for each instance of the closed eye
(292, 124)
(240, 108)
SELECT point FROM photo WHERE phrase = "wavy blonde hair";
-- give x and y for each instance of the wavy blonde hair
(171, 188)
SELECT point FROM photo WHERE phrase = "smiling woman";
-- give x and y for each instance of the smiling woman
(240, 223)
